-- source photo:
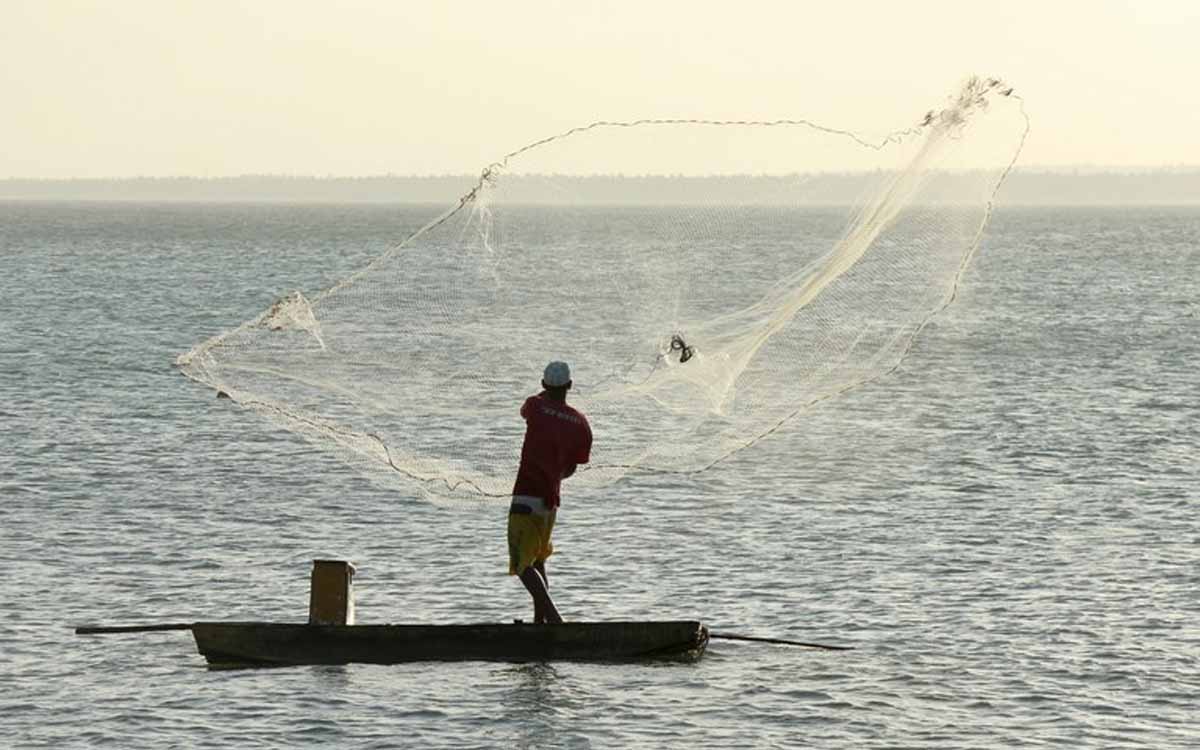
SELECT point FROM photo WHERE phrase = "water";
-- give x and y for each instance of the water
(1005, 529)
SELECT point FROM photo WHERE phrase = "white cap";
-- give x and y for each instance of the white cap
(556, 375)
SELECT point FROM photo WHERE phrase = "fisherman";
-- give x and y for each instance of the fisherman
(557, 439)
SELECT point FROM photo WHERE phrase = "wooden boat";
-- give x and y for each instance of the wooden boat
(331, 637)
(267, 644)
(247, 644)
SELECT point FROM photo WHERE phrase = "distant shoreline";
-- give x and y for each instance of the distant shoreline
(1084, 187)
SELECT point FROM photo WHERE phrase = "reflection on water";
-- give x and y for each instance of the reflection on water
(531, 701)
(335, 678)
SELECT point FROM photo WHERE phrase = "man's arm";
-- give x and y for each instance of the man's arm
(584, 454)
(583, 450)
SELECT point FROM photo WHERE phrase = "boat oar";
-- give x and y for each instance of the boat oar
(102, 630)
(781, 641)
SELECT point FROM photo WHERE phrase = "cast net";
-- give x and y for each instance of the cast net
(707, 281)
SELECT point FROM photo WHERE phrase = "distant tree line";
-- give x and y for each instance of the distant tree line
(1168, 186)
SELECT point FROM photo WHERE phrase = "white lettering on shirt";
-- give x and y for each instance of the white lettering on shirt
(561, 414)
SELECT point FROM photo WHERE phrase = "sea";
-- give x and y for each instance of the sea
(1006, 529)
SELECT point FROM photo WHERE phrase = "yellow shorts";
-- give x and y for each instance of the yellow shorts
(528, 540)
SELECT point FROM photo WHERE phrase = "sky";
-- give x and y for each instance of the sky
(124, 88)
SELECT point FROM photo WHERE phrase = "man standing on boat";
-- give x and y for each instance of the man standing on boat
(557, 439)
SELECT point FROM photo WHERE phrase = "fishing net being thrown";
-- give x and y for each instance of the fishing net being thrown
(706, 280)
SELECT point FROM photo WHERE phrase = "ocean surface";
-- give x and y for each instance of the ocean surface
(1006, 529)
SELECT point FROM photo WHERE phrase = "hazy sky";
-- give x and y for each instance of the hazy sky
(173, 87)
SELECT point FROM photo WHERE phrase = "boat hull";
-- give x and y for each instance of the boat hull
(249, 644)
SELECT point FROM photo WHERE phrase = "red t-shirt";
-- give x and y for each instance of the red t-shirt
(557, 437)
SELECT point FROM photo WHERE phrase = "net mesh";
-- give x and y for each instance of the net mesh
(700, 307)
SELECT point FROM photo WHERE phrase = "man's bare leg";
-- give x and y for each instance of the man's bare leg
(539, 610)
(543, 606)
